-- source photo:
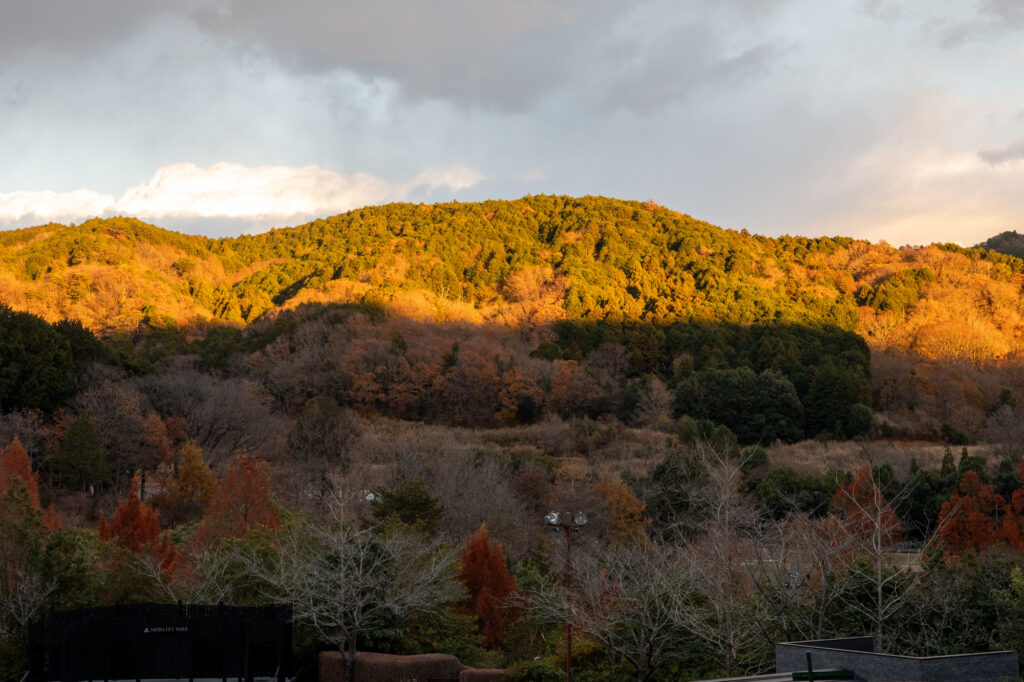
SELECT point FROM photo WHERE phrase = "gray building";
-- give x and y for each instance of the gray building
(858, 655)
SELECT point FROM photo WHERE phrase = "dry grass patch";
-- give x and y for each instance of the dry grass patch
(817, 457)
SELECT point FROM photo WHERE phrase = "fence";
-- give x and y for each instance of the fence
(161, 641)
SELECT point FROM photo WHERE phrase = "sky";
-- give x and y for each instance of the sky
(877, 119)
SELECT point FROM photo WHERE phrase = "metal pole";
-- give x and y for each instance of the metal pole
(568, 599)
(566, 522)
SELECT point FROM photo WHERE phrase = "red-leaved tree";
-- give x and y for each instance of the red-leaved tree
(135, 527)
(1011, 529)
(490, 587)
(969, 519)
(867, 515)
(14, 463)
(242, 501)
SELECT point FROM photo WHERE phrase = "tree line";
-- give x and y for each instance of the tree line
(694, 570)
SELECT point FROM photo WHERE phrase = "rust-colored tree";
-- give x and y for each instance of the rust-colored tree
(969, 519)
(242, 501)
(135, 527)
(490, 587)
(1011, 529)
(867, 515)
(155, 436)
(14, 463)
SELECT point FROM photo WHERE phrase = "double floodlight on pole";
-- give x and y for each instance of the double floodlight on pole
(568, 524)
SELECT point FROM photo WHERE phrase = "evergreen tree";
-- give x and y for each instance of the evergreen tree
(410, 505)
(81, 462)
(36, 364)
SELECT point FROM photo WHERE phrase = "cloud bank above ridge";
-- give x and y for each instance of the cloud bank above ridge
(261, 196)
(871, 118)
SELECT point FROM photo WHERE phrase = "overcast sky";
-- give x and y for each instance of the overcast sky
(901, 121)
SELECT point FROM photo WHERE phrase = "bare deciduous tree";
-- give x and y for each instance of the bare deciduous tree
(215, 576)
(631, 599)
(223, 415)
(725, 614)
(874, 531)
(801, 575)
(655, 405)
(23, 596)
(344, 581)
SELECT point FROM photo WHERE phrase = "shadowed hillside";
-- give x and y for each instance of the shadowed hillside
(1008, 242)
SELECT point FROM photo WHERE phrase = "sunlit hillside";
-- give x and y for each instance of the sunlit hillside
(521, 263)
(474, 366)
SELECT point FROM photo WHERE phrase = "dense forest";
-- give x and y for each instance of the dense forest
(1010, 243)
(742, 418)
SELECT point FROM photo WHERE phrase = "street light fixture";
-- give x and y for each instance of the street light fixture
(568, 524)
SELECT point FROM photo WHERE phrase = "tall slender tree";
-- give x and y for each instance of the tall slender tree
(490, 587)
(14, 463)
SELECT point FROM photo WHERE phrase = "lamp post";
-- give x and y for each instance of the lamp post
(568, 524)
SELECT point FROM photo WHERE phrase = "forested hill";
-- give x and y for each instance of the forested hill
(522, 262)
(1009, 242)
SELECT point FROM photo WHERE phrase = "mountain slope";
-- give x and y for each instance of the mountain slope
(523, 262)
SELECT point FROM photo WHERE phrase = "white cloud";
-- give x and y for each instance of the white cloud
(230, 190)
(233, 190)
(456, 178)
(15, 207)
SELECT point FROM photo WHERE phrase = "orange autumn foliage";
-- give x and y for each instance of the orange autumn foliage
(14, 463)
(976, 518)
(242, 501)
(194, 482)
(135, 527)
(490, 587)
(969, 518)
(51, 519)
(623, 510)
